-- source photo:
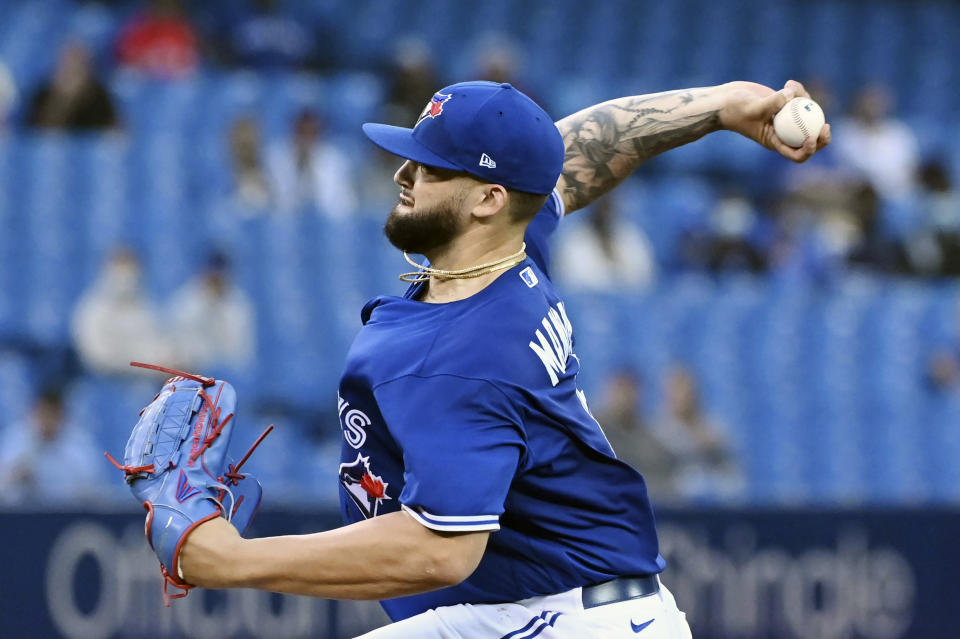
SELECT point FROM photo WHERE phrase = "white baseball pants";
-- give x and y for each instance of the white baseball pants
(559, 616)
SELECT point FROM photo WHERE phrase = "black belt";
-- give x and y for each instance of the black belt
(620, 589)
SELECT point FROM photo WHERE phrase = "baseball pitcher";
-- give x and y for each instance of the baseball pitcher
(480, 496)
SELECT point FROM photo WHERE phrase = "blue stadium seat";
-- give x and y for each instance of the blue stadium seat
(941, 414)
(678, 203)
(110, 406)
(17, 387)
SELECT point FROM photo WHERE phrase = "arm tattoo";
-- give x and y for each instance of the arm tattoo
(605, 143)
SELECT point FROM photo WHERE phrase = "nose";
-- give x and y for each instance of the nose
(404, 175)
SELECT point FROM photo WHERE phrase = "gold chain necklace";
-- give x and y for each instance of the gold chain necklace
(426, 272)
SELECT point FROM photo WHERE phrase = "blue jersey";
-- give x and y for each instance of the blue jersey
(468, 416)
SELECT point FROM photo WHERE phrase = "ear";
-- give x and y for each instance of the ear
(490, 199)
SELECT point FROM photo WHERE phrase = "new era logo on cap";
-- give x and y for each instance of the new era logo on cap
(487, 161)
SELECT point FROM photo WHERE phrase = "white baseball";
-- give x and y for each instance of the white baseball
(799, 119)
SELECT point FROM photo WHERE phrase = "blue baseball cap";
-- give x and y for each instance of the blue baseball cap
(489, 130)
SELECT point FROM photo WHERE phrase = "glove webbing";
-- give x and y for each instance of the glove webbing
(215, 429)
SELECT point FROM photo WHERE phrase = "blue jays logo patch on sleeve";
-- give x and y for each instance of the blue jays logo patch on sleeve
(365, 489)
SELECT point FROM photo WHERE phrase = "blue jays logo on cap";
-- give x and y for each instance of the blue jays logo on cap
(434, 106)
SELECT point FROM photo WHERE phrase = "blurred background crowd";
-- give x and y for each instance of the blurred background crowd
(186, 183)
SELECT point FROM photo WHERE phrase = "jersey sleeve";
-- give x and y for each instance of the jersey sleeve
(461, 449)
(541, 227)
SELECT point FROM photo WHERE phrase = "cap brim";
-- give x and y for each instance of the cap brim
(400, 141)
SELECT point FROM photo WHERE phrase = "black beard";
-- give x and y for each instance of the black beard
(423, 231)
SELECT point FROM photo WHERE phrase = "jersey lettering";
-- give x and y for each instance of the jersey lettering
(555, 352)
(353, 422)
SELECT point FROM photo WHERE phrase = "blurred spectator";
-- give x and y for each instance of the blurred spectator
(730, 242)
(212, 320)
(74, 98)
(824, 179)
(8, 94)
(499, 59)
(379, 192)
(30, 452)
(160, 41)
(820, 225)
(605, 252)
(933, 249)
(310, 171)
(412, 79)
(867, 246)
(266, 38)
(820, 235)
(114, 323)
(624, 423)
(881, 148)
(943, 366)
(943, 369)
(250, 186)
(705, 467)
